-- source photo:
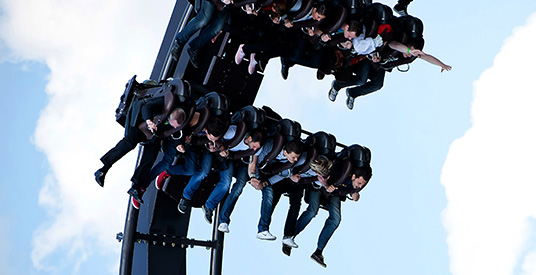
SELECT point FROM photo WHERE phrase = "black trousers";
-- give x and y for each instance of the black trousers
(131, 139)
(295, 192)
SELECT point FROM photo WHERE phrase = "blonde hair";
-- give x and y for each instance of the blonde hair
(321, 165)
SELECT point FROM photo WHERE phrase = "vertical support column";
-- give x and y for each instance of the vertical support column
(216, 256)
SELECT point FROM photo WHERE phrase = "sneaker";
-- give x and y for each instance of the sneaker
(266, 236)
(239, 54)
(176, 49)
(252, 64)
(284, 69)
(99, 177)
(290, 242)
(136, 194)
(319, 259)
(224, 227)
(332, 94)
(161, 179)
(320, 74)
(135, 203)
(349, 101)
(287, 249)
(402, 10)
(193, 56)
(183, 205)
(208, 214)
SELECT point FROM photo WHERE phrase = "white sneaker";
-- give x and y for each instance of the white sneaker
(223, 227)
(239, 54)
(266, 235)
(290, 242)
(252, 64)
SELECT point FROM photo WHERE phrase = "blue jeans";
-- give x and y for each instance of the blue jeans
(187, 169)
(200, 174)
(215, 26)
(332, 222)
(222, 187)
(266, 208)
(202, 18)
(236, 191)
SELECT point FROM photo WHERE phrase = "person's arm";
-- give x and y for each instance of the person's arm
(420, 54)
(252, 166)
(434, 61)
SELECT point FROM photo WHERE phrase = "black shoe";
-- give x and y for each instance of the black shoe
(176, 50)
(320, 75)
(135, 194)
(284, 69)
(402, 10)
(287, 249)
(319, 259)
(193, 56)
(208, 214)
(183, 205)
(99, 177)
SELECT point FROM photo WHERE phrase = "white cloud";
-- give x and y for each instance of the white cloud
(92, 48)
(489, 172)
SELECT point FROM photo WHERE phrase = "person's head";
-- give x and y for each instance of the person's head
(215, 128)
(293, 150)
(415, 43)
(321, 165)
(361, 176)
(254, 140)
(352, 29)
(177, 117)
(319, 12)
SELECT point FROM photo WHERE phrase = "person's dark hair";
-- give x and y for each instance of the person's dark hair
(365, 172)
(294, 146)
(417, 43)
(216, 126)
(320, 9)
(355, 26)
(178, 115)
(257, 136)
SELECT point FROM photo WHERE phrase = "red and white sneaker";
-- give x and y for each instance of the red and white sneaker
(135, 203)
(160, 179)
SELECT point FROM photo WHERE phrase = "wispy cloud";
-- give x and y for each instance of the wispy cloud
(92, 48)
(489, 172)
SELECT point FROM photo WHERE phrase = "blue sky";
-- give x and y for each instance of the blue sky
(452, 152)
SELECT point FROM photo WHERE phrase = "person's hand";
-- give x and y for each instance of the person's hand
(295, 178)
(151, 126)
(311, 32)
(347, 44)
(256, 183)
(355, 196)
(288, 24)
(325, 37)
(212, 148)
(224, 153)
(331, 188)
(445, 68)
(181, 148)
(227, 2)
(323, 180)
(376, 58)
